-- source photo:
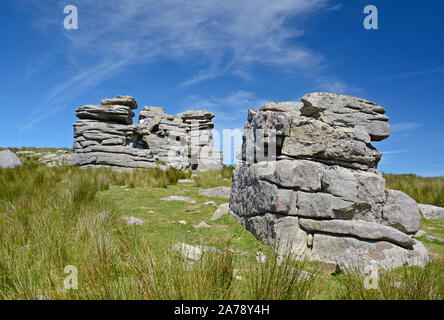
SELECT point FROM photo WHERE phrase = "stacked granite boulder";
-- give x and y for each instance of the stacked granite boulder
(204, 156)
(163, 134)
(105, 136)
(308, 184)
(181, 141)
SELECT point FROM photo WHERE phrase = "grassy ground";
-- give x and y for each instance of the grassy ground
(51, 218)
(423, 190)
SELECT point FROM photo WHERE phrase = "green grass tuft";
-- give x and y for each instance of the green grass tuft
(215, 178)
(51, 218)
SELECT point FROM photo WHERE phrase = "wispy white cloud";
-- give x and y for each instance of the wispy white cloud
(38, 64)
(404, 127)
(228, 36)
(331, 84)
(411, 74)
(394, 152)
(230, 109)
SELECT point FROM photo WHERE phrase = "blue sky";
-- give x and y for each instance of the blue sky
(224, 56)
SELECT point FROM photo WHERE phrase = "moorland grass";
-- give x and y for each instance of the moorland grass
(38, 150)
(51, 218)
(215, 178)
(406, 283)
(281, 278)
(423, 190)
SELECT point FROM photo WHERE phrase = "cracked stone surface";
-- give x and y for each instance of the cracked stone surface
(307, 182)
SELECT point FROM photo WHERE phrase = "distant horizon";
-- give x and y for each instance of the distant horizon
(226, 164)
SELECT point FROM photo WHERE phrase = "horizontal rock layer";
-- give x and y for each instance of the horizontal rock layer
(309, 174)
(311, 189)
(325, 126)
(122, 101)
(346, 111)
(285, 235)
(359, 229)
(111, 113)
(105, 136)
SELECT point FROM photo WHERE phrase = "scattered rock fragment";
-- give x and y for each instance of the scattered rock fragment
(420, 233)
(25, 153)
(121, 100)
(430, 212)
(222, 210)
(134, 221)
(202, 224)
(328, 267)
(178, 198)
(192, 252)
(436, 239)
(185, 181)
(9, 160)
(50, 156)
(261, 257)
(217, 192)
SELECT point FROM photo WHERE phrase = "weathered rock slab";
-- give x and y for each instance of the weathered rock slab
(222, 210)
(113, 113)
(359, 229)
(280, 232)
(121, 100)
(210, 158)
(347, 111)
(351, 253)
(313, 138)
(131, 221)
(217, 192)
(299, 174)
(179, 198)
(430, 212)
(9, 160)
(322, 205)
(290, 107)
(192, 252)
(401, 212)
